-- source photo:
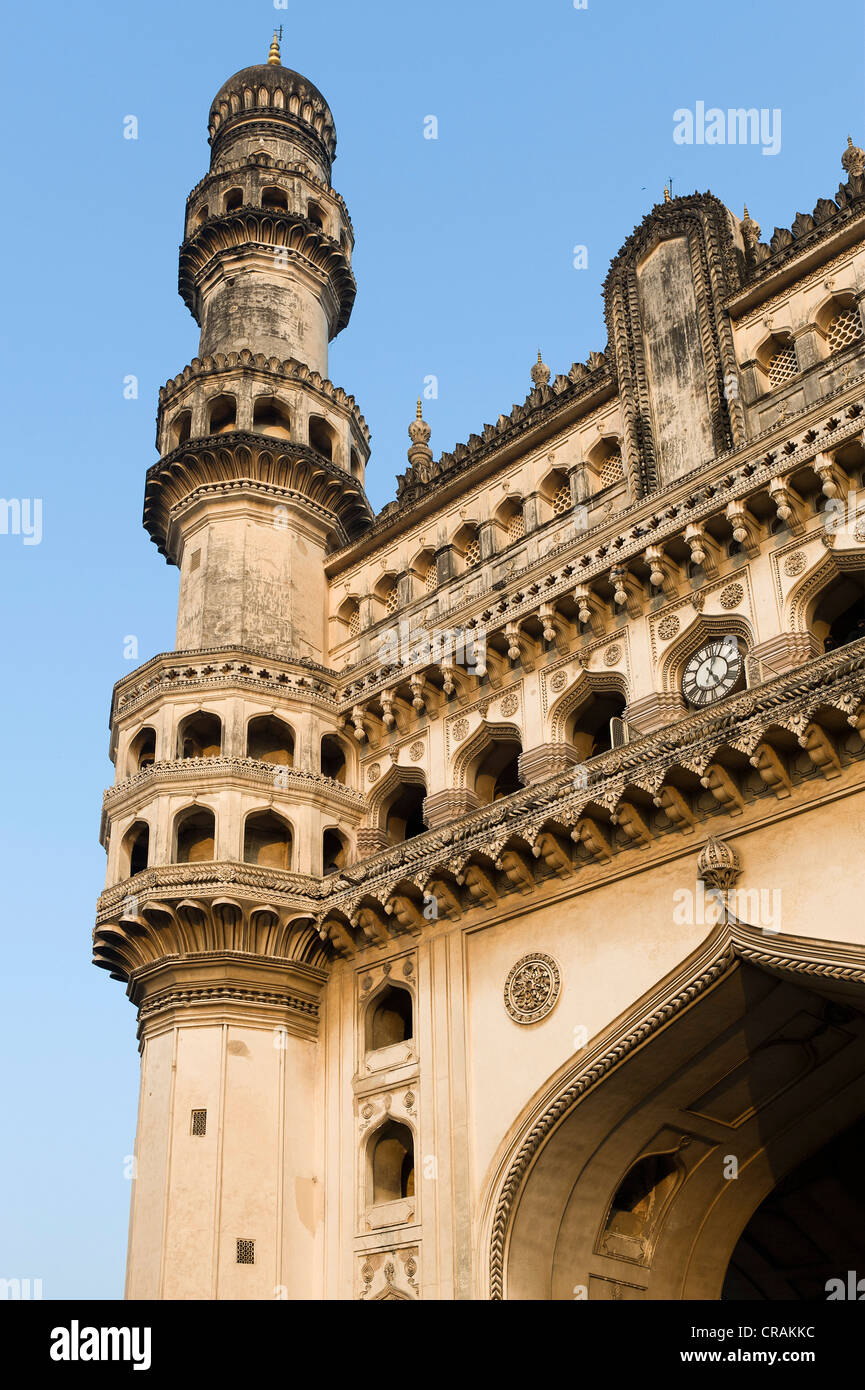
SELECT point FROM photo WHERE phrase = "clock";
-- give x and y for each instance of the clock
(712, 671)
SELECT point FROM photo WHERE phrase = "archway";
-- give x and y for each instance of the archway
(635, 1172)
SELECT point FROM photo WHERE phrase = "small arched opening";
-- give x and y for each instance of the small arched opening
(322, 437)
(275, 199)
(333, 759)
(267, 840)
(181, 428)
(392, 1163)
(199, 735)
(404, 817)
(271, 417)
(222, 414)
(496, 773)
(195, 836)
(270, 740)
(588, 729)
(136, 849)
(232, 200)
(334, 852)
(389, 1018)
(142, 751)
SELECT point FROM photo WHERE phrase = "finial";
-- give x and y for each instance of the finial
(667, 198)
(750, 229)
(540, 371)
(853, 159)
(419, 433)
(273, 57)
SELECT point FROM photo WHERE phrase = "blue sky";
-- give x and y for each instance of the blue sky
(555, 129)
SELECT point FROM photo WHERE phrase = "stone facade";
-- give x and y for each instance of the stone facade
(480, 870)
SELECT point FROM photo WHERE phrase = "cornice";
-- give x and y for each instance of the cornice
(741, 721)
(251, 226)
(238, 457)
(653, 520)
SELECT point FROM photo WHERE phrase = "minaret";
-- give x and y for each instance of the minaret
(262, 458)
(229, 799)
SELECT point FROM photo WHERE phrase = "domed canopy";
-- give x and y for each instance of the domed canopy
(277, 90)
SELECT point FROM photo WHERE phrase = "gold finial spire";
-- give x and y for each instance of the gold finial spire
(747, 214)
(273, 57)
(667, 198)
(419, 409)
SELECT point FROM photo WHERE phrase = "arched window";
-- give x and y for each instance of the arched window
(511, 520)
(202, 215)
(839, 614)
(270, 740)
(589, 727)
(844, 328)
(321, 436)
(355, 465)
(334, 852)
(142, 751)
(497, 771)
(232, 200)
(195, 836)
(181, 428)
(136, 847)
(605, 461)
(404, 817)
(333, 762)
(221, 414)
(315, 215)
(392, 1163)
(267, 840)
(199, 736)
(777, 357)
(389, 1019)
(275, 199)
(270, 416)
(467, 545)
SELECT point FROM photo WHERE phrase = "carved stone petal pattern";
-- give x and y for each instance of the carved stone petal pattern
(612, 654)
(510, 704)
(795, 563)
(460, 729)
(373, 772)
(532, 988)
(416, 751)
(732, 596)
(558, 681)
(668, 627)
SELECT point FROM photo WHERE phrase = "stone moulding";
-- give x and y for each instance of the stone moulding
(791, 701)
(249, 227)
(201, 770)
(751, 473)
(731, 941)
(238, 458)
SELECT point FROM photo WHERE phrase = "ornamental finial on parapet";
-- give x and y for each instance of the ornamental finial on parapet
(419, 433)
(540, 371)
(853, 159)
(750, 229)
(273, 57)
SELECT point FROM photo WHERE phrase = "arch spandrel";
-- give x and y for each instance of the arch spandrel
(677, 1074)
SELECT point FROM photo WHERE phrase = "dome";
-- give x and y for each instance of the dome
(277, 90)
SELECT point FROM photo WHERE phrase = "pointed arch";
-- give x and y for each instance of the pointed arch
(586, 684)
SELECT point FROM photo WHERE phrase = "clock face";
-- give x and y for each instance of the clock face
(712, 672)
